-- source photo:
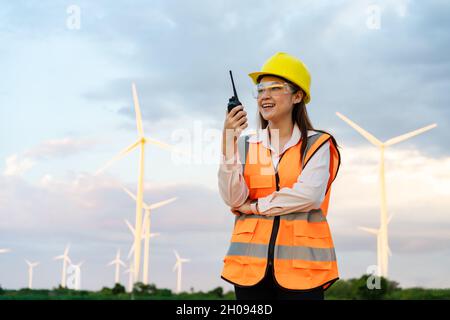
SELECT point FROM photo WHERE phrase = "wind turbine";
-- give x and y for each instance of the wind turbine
(117, 262)
(147, 234)
(130, 227)
(130, 272)
(77, 268)
(65, 258)
(383, 249)
(178, 265)
(31, 265)
(140, 142)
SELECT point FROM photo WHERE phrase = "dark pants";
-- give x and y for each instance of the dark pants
(267, 289)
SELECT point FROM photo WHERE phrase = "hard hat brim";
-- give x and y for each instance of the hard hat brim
(255, 75)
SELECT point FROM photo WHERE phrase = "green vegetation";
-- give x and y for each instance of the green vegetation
(351, 289)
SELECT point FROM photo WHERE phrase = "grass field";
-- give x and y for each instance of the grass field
(351, 289)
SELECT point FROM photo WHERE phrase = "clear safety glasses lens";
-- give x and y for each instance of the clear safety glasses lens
(271, 88)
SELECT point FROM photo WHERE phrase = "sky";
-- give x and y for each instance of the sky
(66, 109)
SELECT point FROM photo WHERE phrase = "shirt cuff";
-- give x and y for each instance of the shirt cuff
(253, 207)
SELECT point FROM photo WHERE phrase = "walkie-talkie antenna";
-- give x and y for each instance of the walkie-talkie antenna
(234, 88)
(233, 101)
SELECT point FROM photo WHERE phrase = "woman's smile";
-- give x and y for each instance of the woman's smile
(268, 105)
(268, 110)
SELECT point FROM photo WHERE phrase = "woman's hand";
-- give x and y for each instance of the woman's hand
(243, 209)
(236, 119)
(235, 122)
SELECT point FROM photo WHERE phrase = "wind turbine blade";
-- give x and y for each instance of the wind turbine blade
(28, 262)
(130, 252)
(176, 254)
(369, 230)
(389, 219)
(137, 109)
(129, 193)
(166, 146)
(111, 263)
(118, 156)
(35, 264)
(5, 250)
(389, 251)
(154, 235)
(175, 266)
(66, 250)
(160, 144)
(161, 203)
(130, 227)
(122, 263)
(411, 134)
(130, 269)
(363, 132)
(58, 257)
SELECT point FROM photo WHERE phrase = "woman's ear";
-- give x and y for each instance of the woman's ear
(298, 96)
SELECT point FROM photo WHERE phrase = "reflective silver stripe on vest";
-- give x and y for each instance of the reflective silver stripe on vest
(315, 215)
(253, 216)
(310, 141)
(248, 249)
(305, 253)
(282, 252)
(243, 150)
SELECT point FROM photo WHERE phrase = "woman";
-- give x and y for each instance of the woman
(278, 184)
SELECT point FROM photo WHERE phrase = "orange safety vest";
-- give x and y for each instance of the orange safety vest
(297, 245)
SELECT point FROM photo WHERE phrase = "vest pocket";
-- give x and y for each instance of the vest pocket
(314, 248)
(315, 230)
(318, 265)
(244, 230)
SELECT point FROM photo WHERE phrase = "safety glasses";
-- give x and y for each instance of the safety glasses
(272, 88)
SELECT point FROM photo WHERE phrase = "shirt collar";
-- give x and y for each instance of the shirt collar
(262, 135)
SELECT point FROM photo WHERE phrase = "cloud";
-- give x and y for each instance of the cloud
(17, 166)
(60, 148)
(392, 80)
(86, 209)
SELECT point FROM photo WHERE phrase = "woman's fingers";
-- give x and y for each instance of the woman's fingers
(235, 110)
(239, 115)
(241, 121)
(241, 128)
(236, 120)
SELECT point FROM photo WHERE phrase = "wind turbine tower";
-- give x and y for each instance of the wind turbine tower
(383, 250)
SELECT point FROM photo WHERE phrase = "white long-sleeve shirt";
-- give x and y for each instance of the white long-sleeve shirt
(306, 194)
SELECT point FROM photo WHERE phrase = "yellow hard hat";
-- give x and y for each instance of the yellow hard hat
(288, 67)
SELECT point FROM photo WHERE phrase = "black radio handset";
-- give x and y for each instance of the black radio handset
(233, 101)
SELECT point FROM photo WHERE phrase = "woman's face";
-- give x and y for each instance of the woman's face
(276, 106)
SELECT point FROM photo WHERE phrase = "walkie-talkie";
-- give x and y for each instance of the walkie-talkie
(233, 101)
